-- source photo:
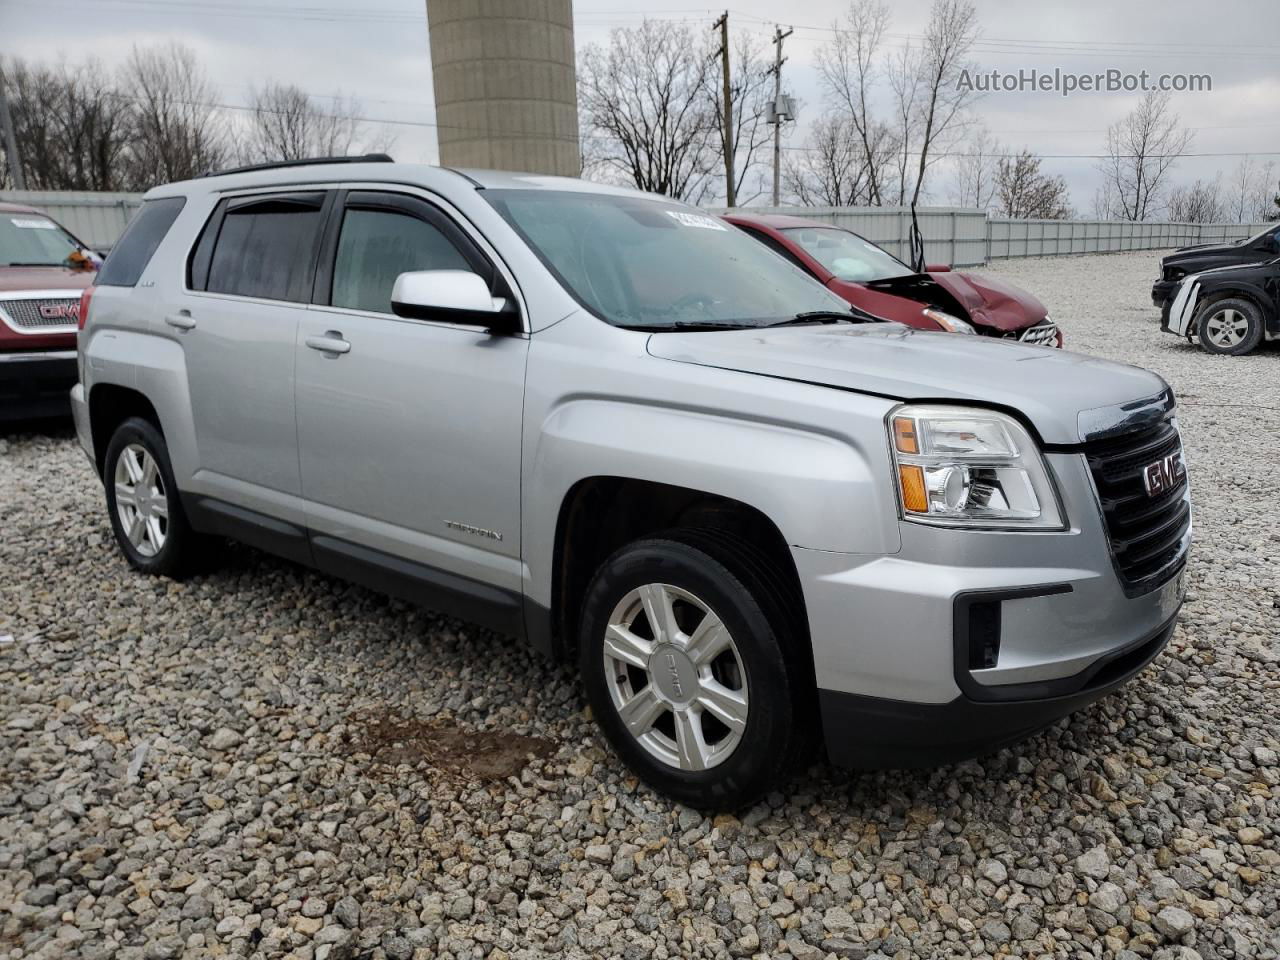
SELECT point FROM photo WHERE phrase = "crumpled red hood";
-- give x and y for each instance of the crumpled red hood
(992, 302)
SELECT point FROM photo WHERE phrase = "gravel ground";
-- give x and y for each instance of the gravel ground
(268, 762)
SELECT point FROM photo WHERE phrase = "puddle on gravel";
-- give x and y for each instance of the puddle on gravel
(440, 744)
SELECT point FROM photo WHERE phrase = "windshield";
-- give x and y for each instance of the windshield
(29, 239)
(847, 255)
(1250, 241)
(638, 262)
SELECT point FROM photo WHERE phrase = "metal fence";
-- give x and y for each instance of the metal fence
(954, 235)
(97, 219)
(966, 237)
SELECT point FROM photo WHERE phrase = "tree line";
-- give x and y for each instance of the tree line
(891, 118)
(158, 118)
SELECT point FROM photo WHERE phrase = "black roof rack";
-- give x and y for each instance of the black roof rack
(306, 162)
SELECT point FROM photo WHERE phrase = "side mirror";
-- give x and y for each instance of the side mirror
(937, 268)
(452, 296)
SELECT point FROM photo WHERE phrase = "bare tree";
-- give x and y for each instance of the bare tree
(830, 170)
(70, 125)
(974, 180)
(178, 133)
(1199, 202)
(929, 104)
(750, 91)
(1142, 147)
(848, 67)
(1023, 191)
(644, 98)
(938, 96)
(1252, 191)
(285, 123)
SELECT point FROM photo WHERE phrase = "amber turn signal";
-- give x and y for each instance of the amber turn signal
(914, 497)
(904, 435)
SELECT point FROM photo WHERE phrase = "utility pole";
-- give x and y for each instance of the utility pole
(10, 141)
(726, 134)
(778, 61)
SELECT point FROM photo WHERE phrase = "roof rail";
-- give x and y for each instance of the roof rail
(305, 162)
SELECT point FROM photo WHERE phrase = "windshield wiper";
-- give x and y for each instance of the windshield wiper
(690, 325)
(817, 316)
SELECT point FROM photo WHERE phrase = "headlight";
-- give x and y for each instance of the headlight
(968, 467)
(948, 322)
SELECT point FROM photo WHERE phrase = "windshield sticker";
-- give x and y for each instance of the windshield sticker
(33, 224)
(696, 220)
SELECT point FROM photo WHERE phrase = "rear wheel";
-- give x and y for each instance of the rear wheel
(1232, 326)
(684, 660)
(143, 503)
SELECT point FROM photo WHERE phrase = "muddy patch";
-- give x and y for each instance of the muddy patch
(391, 739)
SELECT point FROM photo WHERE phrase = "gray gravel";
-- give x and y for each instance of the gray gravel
(265, 762)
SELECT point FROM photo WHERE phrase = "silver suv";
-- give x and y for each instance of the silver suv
(618, 428)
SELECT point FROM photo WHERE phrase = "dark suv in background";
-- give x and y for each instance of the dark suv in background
(1259, 248)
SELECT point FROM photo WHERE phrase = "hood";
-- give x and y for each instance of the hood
(16, 279)
(991, 302)
(1063, 394)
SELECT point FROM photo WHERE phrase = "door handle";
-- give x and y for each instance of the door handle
(180, 320)
(331, 342)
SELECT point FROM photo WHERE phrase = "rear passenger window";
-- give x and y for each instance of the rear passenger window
(264, 247)
(133, 251)
(376, 246)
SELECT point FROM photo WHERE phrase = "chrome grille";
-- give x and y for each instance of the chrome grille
(30, 313)
(1148, 534)
(1042, 334)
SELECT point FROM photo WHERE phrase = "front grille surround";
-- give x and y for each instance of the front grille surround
(1044, 334)
(22, 314)
(1149, 535)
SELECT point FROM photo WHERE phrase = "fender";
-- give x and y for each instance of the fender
(1249, 281)
(821, 490)
(156, 368)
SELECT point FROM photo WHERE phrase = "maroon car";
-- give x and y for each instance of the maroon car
(874, 280)
(43, 271)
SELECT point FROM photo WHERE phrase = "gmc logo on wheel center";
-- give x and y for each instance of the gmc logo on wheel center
(1163, 475)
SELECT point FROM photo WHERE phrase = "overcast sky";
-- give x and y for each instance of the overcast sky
(378, 52)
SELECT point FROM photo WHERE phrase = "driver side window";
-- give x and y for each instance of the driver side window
(376, 246)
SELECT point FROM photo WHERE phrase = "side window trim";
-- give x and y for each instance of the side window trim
(200, 260)
(409, 205)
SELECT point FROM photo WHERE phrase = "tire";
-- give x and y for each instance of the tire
(150, 527)
(754, 677)
(1230, 327)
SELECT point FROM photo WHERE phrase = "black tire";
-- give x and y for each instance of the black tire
(182, 547)
(747, 597)
(1245, 311)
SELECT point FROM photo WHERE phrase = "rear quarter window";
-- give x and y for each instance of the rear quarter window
(133, 251)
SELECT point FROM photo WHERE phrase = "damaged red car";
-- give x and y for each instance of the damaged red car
(874, 280)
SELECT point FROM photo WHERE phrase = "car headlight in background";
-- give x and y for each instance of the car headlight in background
(947, 322)
(969, 467)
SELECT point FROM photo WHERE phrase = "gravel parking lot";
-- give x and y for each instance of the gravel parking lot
(264, 761)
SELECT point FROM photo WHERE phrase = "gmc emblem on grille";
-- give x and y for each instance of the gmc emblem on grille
(59, 311)
(1163, 475)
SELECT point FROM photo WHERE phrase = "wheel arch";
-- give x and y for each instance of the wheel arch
(110, 405)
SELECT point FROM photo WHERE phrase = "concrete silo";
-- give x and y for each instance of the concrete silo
(504, 78)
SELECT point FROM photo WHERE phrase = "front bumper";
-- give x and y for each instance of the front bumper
(1162, 291)
(35, 384)
(907, 640)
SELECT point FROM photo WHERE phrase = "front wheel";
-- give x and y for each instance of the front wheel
(1232, 326)
(685, 662)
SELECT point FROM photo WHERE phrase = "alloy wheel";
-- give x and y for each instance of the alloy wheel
(1227, 328)
(675, 677)
(141, 504)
